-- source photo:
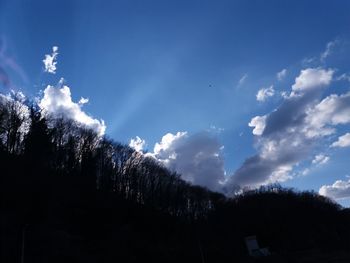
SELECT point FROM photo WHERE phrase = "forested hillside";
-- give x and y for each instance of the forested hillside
(69, 195)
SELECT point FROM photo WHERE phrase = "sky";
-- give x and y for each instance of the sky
(231, 94)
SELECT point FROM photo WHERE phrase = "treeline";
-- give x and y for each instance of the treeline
(56, 146)
(69, 195)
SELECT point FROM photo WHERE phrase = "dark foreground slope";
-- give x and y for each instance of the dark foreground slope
(77, 225)
(295, 227)
(68, 195)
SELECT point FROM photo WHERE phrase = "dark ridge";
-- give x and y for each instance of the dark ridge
(68, 195)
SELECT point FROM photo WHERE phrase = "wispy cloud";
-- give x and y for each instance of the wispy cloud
(8, 65)
(215, 129)
(242, 79)
(329, 49)
(282, 74)
(344, 76)
(320, 159)
(327, 52)
(4, 77)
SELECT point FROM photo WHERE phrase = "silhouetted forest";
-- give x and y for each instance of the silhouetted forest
(68, 195)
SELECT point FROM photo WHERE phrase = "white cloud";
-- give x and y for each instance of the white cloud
(343, 141)
(331, 111)
(320, 159)
(197, 158)
(339, 190)
(311, 78)
(334, 109)
(137, 143)
(258, 123)
(50, 61)
(282, 74)
(83, 101)
(58, 102)
(265, 93)
(168, 140)
(242, 79)
(280, 174)
(284, 94)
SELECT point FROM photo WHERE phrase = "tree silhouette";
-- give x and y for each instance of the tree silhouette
(112, 203)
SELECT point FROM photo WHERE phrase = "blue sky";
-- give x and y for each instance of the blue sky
(150, 68)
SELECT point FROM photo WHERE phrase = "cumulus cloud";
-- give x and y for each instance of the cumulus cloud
(198, 158)
(331, 111)
(282, 74)
(167, 141)
(258, 123)
(50, 61)
(137, 143)
(320, 159)
(58, 102)
(283, 137)
(339, 190)
(312, 78)
(343, 141)
(265, 93)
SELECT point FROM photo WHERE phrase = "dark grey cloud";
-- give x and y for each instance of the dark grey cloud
(274, 161)
(291, 113)
(198, 157)
(283, 137)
